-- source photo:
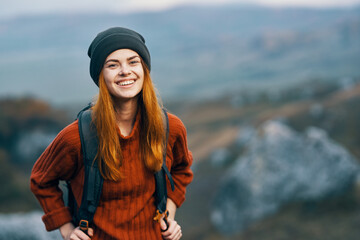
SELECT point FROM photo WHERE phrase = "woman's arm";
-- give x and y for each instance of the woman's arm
(179, 160)
(179, 165)
(60, 161)
(171, 207)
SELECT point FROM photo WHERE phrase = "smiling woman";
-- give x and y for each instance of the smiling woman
(128, 119)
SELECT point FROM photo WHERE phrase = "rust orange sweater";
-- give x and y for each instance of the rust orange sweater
(126, 207)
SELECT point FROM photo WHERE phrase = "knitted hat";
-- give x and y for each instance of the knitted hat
(113, 39)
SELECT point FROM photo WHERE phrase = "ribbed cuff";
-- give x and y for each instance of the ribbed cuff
(55, 219)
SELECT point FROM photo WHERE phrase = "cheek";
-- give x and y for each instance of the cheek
(108, 77)
(142, 82)
(139, 71)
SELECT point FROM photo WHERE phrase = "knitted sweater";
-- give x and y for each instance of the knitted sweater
(127, 207)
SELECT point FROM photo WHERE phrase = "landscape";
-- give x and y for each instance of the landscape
(271, 92)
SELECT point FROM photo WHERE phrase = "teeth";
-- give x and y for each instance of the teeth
(128, 82)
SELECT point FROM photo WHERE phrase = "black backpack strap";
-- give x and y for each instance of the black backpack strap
(160, 178)
(88, 107)
(166, 124)
(93, 181)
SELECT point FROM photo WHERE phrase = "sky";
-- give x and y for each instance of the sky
(14, 8)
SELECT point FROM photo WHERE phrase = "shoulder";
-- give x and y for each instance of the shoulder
(175, 123)
(176, 127)
(70, 130)
(69, 136)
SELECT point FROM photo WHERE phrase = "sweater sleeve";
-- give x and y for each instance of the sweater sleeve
(181, 160)
(60, 161)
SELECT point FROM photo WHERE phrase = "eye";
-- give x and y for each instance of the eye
(133, 62)
(112, 65)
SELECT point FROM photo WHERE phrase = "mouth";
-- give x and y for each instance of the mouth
(125, 82)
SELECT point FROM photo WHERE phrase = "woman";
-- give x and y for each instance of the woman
(128, 120)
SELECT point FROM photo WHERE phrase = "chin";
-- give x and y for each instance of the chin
(127, 97)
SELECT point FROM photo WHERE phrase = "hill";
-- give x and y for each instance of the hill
(215, 126)
(27, 126)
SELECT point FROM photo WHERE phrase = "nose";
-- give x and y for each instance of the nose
(124, 70)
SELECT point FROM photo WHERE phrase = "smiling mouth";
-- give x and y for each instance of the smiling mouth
(126, 82)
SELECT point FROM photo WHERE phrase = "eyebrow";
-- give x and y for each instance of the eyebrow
(128, 59)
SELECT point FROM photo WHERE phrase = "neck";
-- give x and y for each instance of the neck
(125, 112)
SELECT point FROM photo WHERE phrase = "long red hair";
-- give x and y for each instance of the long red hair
(152, 131)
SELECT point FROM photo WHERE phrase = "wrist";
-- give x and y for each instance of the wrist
(66, 229)
(171, 207)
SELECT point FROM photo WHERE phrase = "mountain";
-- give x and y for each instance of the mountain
(197, 52)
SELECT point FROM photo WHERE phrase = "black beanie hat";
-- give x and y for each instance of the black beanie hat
(113, 39)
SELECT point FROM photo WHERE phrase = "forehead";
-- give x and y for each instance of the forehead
(122, 54)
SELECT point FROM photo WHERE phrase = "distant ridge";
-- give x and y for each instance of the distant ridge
(197, 52)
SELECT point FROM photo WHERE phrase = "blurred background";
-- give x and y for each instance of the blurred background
(269, 92)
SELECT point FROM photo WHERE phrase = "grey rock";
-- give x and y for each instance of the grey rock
(219, 157)
(21, 226)
(246, 133)
(279, 167)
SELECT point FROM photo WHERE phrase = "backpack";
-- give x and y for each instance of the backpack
(93, 182)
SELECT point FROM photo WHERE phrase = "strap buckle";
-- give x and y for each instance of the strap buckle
(84, 225)
(160, 215)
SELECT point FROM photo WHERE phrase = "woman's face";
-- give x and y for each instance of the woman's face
(123, 74)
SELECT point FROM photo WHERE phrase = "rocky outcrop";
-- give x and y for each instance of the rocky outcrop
(27, 226)
(281, 166)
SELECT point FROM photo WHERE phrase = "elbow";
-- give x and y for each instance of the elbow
(34, 185)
